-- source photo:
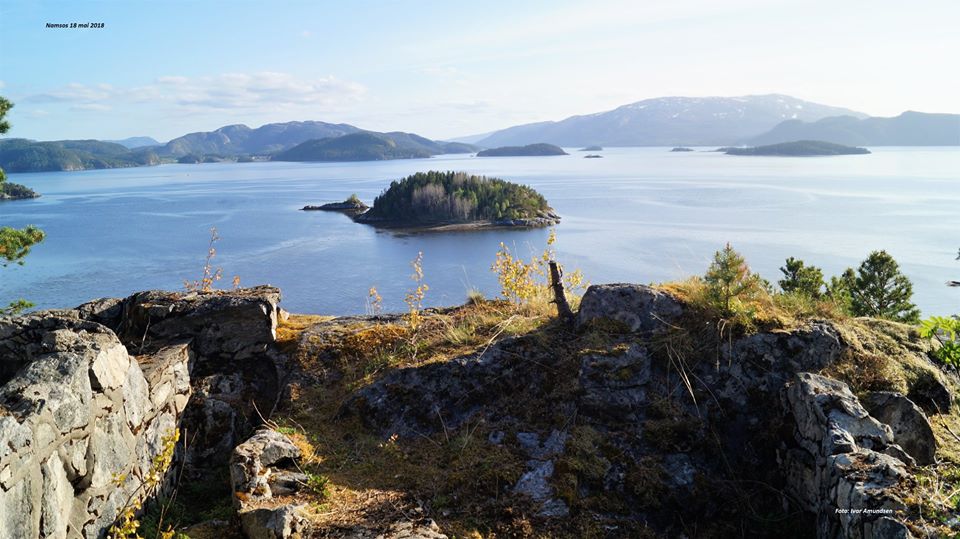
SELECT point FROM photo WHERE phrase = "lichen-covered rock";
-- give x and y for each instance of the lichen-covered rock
(613, 384)
(413, 530)
(911, 429)
(847, 469)
(284, 522)
(78, 411)
(640, 307)
(830, 419)
(414, 401)
(251, 462)
(220, 324)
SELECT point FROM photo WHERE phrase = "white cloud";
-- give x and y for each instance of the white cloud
(172, 80)
(263, 91)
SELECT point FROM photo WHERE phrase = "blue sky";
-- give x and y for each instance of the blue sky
(445, 69)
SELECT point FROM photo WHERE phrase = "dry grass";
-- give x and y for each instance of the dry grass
(456, 476)
(765, 312)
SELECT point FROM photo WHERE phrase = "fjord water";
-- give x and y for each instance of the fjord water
(637, 215)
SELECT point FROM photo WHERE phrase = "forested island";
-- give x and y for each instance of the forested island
(528, 150)
(682, 149)
(457, 200)
(591, 149)
(799, 148)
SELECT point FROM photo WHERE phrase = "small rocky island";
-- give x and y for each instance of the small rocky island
(799, 148)
(528, 150)
(352, 205)
(457, 201)
(682, 149)
(15, 191)
(592, 156)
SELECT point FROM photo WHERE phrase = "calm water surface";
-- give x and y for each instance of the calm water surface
(638, 215)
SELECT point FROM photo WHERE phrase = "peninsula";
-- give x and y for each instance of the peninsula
(353, 205)
(15, 191)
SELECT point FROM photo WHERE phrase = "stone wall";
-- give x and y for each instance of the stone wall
(87, 395)
(78, 414)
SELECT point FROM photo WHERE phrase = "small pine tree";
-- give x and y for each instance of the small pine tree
(880, 290)
(801, 279)
(840, 288)
(15, 243)
(731, 286)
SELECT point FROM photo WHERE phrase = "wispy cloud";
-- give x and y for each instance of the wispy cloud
(263, 91)
(95, 107)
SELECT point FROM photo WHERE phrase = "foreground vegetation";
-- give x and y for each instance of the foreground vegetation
(441, 197)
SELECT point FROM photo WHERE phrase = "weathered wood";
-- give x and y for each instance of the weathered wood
(559, 298)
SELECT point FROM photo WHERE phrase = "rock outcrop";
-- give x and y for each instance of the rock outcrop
(79, 414)
(262, 469)
(847, 469)
(89, 396)
(645, 417)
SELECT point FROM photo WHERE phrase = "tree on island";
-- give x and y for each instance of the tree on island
(15, 243)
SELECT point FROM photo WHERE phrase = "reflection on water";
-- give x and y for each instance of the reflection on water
(639, 214)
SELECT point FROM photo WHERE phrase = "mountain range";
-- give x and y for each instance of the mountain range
(266, 139)
(670, 121)
(665, 121)
(908, 129)
(136, 142)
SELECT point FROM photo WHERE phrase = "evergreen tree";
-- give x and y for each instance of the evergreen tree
(801, 279)
(15, 243)
(730, 283)
(840, 288)
(880, 290)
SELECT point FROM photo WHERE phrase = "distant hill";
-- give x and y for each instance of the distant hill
(135, 142)
(670, 121)
(908, 129)
(799, 148)
(240, 139)
(370, 146)
(23, 155)
(528, 150)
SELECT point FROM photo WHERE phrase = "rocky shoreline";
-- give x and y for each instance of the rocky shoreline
(346, 207)
(544, 219)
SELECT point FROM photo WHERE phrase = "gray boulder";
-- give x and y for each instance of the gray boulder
(911, 429)
(411, 530)
(251, 462)
(284, 522)
(639, 307)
